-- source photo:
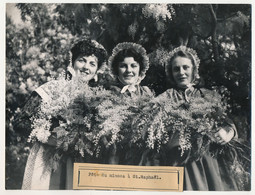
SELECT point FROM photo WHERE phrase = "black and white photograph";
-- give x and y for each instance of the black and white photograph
(134, 84)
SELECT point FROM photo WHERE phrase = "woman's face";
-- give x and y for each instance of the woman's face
(128, 71)
(182, 71)
(86, 66)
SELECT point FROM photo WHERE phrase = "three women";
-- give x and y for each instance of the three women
(128, 65)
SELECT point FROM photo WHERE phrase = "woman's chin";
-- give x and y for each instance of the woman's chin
(183, 85)
(128, 82)
(84, 78)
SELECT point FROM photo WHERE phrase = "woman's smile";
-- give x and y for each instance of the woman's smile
(182, 78)
(128, 75)
(86, 72)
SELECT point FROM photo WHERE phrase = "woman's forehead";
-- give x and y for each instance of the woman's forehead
(88, 57)
(179, 60)
(129, 59)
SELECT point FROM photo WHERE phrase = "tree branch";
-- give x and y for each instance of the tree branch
(214, 35)
(201, 36)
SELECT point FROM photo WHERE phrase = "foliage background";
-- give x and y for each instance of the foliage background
(37, 49)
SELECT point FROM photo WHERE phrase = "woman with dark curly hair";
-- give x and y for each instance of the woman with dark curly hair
(87, 59)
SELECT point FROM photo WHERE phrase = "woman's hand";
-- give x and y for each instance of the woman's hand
(223, 136)
(52, 141)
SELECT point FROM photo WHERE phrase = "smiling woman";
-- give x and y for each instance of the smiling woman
(129, 63)
(182, 68)
(86, 67)
(206, 172)
(87, 58)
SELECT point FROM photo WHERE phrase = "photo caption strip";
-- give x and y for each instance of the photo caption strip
(125, 177)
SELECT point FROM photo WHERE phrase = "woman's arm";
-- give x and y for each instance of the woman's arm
(22, 122)
(52, 141)
(224, 136)
(226, 133)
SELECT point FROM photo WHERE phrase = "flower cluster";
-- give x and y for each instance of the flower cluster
(159, 57)
(132, 29)
(192, 121)
(82, 119)
(88, 122)
(158, 11)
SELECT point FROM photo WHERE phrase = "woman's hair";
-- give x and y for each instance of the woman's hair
(89, 47)
(182, 54)
(127, 53)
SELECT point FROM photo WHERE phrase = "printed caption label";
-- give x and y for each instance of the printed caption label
(126, 177)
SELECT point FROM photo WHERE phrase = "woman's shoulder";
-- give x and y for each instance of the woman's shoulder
(165, 96)
(46, 90)
(167, 92)
(114, 88)
(146, 90)
(207, 92)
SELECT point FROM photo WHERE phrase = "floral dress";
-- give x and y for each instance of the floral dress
(203, 174)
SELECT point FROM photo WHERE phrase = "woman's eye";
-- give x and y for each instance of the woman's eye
(122, 65)
(185, 67)
(134, 65)
(92, 64)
